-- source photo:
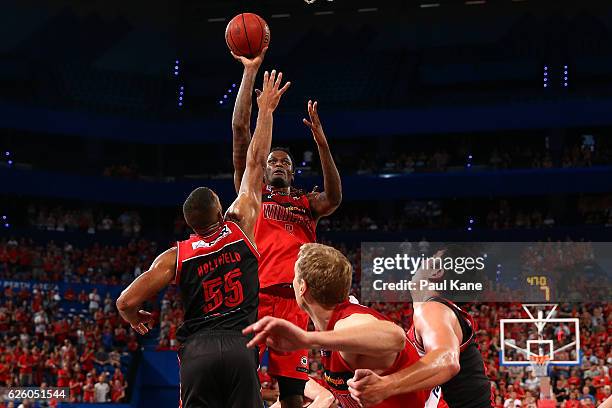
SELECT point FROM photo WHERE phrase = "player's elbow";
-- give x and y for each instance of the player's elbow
(397, 338)
(335, 200)
(453, 369)
(451, 363)
(123, 304)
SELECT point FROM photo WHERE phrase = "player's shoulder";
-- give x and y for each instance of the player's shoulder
(169, 255)
(354, 319)
(433, 310)
(350, 314)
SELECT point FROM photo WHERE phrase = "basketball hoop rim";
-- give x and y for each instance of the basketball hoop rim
(539, 360)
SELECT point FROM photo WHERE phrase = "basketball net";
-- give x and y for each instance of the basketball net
(539, 364)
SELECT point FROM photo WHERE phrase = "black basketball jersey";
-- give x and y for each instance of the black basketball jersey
(470, 388)
(217, 279)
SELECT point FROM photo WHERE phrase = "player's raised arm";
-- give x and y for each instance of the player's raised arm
(147, 285)
(326, 202)
(248, 204)
(241, 118)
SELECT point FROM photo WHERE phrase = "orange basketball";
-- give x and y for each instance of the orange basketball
(247, 34)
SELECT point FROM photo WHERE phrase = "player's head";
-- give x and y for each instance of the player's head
(322, 276)
(461, 262)
(202, 209)
(279, 168)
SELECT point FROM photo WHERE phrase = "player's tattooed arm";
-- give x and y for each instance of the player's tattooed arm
(326, 202)
(434, 324)
(246, 207)
(144, 287)
(241, 118)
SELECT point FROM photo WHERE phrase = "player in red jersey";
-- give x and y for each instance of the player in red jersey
(288, 219)
(350, 336)
(444, 336)
(215, 271)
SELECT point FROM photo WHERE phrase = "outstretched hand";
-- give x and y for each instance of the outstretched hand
(314, 124)
(269, 97)
(278, 334)
(251, 63)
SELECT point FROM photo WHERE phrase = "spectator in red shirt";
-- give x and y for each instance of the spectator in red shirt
(120, 336)
(8, 292)
(24, 294)
(572, 402)
(4, 321)
(601, 380)
(36, 301)
(603, 393)
(87, 359)
(4, 370)
(99, 317)
(83, 297)
(70, 295)
(132, 344)
(77, 373)
(37, 366)
(118, 392)
(264, 378)
(76, 387)
(575, 379)
(88, 389)
(51, 365)
(25, 367)
(118, 375)
(63, 375)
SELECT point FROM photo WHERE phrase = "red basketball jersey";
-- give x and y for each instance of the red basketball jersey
(284, 224)
(338, 372)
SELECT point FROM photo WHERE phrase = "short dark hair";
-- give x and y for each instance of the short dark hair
(198, 208)
(286, 150)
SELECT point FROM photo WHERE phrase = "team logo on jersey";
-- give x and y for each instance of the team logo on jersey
(304, 361)
(203, 244)
(337, 381)
(278, 212)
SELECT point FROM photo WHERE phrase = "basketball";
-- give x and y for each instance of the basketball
(247, 34)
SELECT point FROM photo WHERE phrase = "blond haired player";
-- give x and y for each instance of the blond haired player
(349, 335)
